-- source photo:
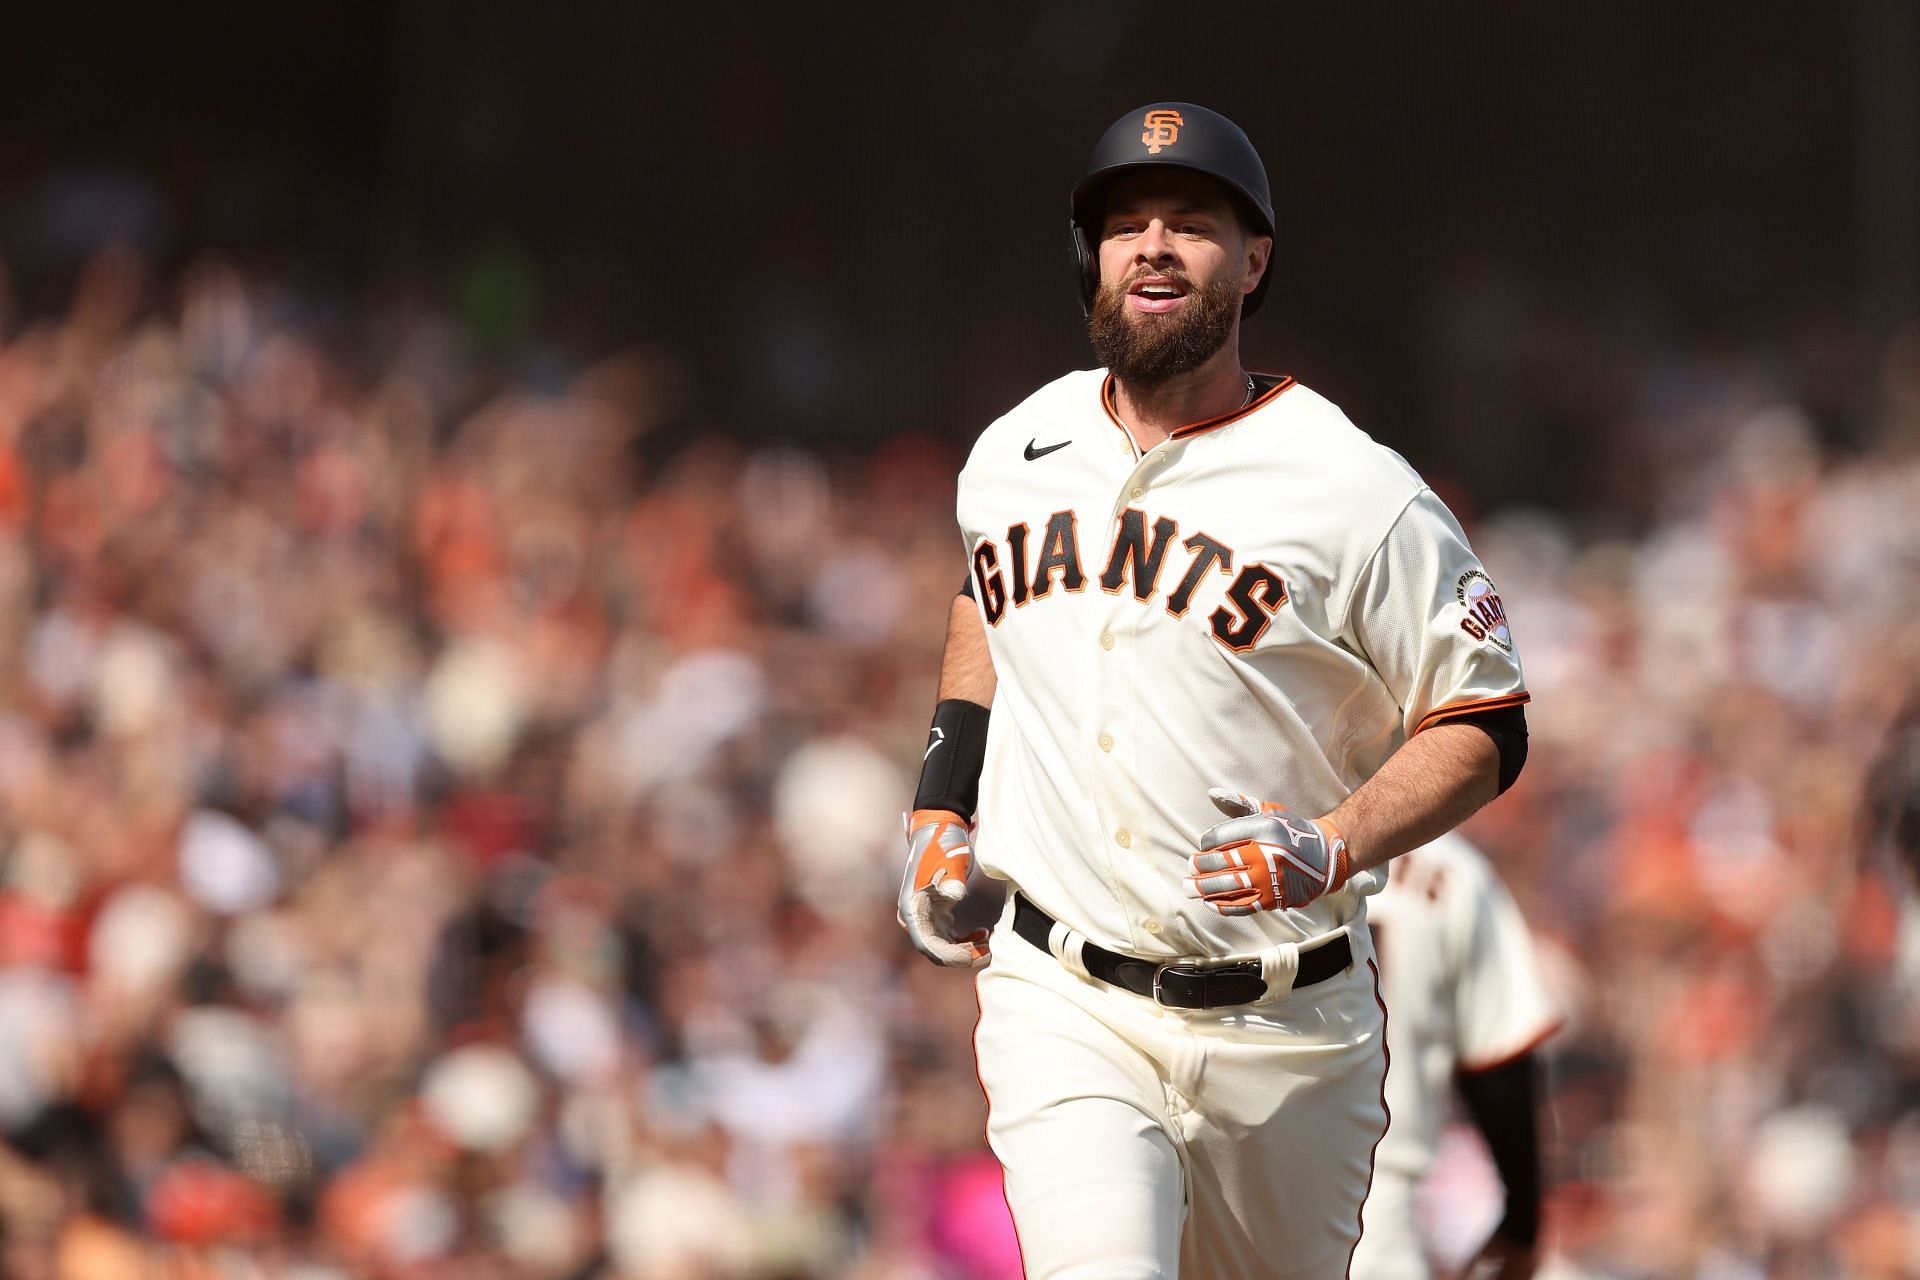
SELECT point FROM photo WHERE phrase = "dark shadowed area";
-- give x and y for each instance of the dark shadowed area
(1487, 213)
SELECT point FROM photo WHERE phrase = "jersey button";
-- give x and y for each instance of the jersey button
(1137, 492)
(1106, 639)
(1152, 927)
(1106, 742)
(1123, 838)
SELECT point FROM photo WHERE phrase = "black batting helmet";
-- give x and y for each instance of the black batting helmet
(1183, 136)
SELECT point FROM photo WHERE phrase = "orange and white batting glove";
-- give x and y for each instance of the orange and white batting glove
(939, 859)
(1263, 858)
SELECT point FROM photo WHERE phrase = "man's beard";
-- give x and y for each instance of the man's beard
(1146, 350)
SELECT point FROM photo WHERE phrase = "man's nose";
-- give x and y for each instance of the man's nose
(1154, 244)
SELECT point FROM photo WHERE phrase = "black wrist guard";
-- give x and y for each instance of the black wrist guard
(956, 752)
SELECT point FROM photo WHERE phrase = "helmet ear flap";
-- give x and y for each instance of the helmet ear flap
(1088, 263)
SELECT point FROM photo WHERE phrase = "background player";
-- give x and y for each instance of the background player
(1466, 1008)
(1180, 1036)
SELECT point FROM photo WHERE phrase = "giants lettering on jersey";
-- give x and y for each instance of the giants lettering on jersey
(1136, 563)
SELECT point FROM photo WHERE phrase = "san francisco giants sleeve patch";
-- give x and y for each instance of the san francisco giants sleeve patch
(1486, 617)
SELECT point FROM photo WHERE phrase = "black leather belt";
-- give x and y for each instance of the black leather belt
(1182, 986)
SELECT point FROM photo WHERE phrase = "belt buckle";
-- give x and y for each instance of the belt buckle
(1202, 973)
(1159, 970)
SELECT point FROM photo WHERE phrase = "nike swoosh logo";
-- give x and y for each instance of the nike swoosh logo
(939, 736)
(1033, 453)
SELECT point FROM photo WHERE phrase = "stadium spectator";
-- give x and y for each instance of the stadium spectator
(368, 730)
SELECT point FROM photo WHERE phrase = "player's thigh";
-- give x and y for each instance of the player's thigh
(1096, 1192)
(1077, 1116)
(1279, 1139)
(1389, 1247)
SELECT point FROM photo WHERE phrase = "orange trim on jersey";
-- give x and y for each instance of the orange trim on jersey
(1468, 708)
(980, 1016)
(1207, 424)
(1533, 1042)
(1386, 1113)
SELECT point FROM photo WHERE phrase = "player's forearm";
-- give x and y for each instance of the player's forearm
(1434, 782)
(966, 668)
(957, 740)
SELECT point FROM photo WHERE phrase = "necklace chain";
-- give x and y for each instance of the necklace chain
(1243, 404)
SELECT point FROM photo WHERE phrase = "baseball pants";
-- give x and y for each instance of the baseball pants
(1390, 1247)
(1137, 1141)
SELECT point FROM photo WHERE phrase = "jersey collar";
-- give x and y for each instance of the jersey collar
(1271, 387)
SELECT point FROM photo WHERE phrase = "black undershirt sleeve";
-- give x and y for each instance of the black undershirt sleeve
(1501, 1100)
(966, 587)
(1507, 726)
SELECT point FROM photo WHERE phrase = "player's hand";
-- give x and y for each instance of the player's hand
(1502, 1259)
(1263, 858)
(939, 859)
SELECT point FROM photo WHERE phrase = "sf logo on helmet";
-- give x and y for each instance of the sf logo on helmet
(1163, 130)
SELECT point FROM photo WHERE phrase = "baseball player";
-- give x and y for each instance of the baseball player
(1222, 655)
(1465, 1008)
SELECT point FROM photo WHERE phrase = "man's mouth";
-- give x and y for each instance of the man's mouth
(1156, 294)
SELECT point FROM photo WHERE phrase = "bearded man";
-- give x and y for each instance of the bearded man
(1191, 586)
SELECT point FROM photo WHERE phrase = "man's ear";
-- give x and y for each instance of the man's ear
(1259, 254)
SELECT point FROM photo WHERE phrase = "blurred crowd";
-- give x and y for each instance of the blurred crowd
(448, 827)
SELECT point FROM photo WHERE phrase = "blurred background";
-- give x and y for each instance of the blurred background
(475, 530)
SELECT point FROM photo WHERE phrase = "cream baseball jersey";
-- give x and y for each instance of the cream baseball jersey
(1269, 601)
(1462, 986)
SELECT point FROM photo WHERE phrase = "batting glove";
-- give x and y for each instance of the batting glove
(1264, 858)
(939, 859)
